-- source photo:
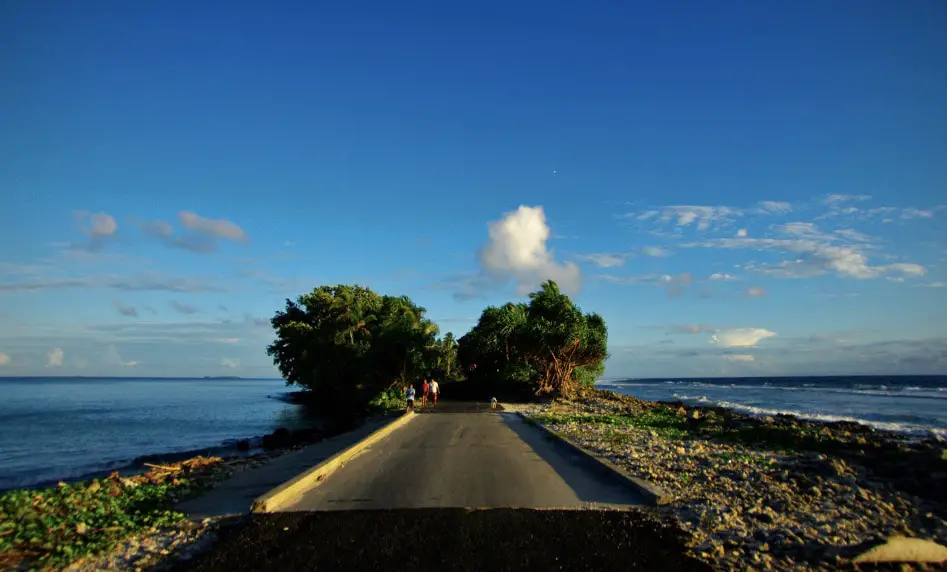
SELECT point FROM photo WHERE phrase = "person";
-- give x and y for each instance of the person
(424, 391)
(411, 393)
(435, 390)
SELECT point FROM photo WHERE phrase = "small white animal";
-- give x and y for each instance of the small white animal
(493, 403)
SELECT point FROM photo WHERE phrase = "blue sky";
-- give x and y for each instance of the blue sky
(739, 188)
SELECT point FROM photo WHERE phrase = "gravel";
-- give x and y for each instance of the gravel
(749, 506)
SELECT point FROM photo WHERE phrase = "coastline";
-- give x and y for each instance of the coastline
(779, 492)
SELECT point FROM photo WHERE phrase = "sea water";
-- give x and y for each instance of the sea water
(915, 405)
(63, 428)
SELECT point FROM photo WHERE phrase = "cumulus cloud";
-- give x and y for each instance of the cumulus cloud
(739, 357)
(99, 228)
(722, 277)
(774, 207)
(4, 359)
(183, 308)
(112, 357)
(740, 337)
(218, 228)
(517, 249)
(229, 362)
(755, 292)
(54, 358)
(741, 233)
(201, 236)
(126, 310)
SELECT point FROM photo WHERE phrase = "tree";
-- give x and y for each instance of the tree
(548, 343)
(348, 344)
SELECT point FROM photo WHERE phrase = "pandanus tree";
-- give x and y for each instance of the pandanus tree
(547, 342)
(349, 343)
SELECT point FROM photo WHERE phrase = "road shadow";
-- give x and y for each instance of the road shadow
(494, 539)
(452, 406)
(590, 481)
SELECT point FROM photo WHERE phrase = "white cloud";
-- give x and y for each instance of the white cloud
(685, 215)
(218, 228)
(836, 199)
(740, 337)
(853, 235)
(604, 259)
(815, 256)
(741, 233)
(517, 249)
(739, 357)
(125, 310)
(229, 362)
(112, 357)
(101, 224)
(755, 292)
(775, 207)
(912, 212)
(54, 358)
(4, 359)
(655, 251)
(183, 308)
(722, 277)
(934, 285)
(228, 340)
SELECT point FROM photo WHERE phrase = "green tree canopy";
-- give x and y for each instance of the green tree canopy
(348, 344)
(548, 343)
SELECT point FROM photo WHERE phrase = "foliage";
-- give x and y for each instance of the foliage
(547, 343)
(352, 346)
(55, 526)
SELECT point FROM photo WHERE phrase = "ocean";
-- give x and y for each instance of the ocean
(915, 405)
(65, 428)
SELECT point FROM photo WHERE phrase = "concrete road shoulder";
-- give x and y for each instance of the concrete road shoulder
(292, 490)
(650, 492)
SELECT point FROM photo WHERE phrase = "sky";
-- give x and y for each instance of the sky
(740, 188)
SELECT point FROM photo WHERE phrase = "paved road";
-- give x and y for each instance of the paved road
(448, 459)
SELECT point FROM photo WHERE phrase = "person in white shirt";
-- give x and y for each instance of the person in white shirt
(435, 391)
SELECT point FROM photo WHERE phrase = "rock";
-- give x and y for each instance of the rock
(243, 445)
(900, 549)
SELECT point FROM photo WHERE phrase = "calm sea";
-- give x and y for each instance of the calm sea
(69, 427)
(907, 404)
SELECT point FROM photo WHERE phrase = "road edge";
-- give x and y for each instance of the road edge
(652, 493)
(275, 498)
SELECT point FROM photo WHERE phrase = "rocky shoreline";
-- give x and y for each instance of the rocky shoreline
(766, 493)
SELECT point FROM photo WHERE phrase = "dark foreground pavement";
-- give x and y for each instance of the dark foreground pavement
(450, 540)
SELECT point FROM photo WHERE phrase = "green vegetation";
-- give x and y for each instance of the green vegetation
(547, 345)
(356, 349)
(52, 527)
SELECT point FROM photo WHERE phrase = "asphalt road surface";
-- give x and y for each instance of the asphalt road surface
(476, 460)
(448, 540)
